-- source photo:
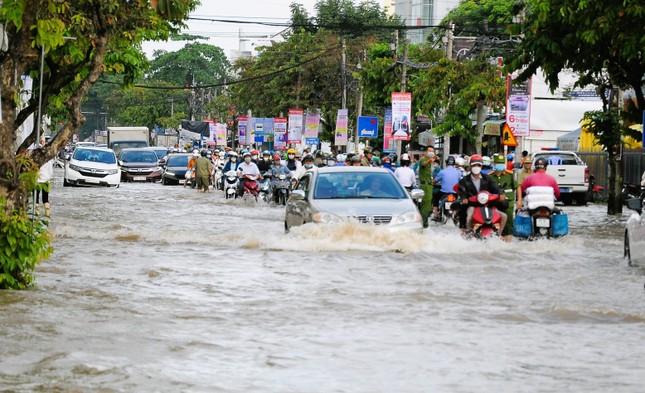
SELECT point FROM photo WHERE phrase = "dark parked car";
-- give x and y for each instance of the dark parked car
(175, 168)
(139, 164)
(162, 152)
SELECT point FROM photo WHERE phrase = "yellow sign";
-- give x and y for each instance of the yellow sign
(508, 138)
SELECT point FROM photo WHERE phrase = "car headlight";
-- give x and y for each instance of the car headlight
(326, 218)
(75, 167)
(170, 173)
(411, 216)
(158, 169)
(112, 171)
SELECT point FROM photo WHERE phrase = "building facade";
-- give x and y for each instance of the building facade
(422, 13)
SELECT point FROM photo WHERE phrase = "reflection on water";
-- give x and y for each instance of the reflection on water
(155, 288)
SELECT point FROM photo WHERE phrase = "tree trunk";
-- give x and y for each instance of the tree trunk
(479, 128)
(614, 203)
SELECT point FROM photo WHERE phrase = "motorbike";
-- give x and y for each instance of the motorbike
(417, 198)
(264, 187)
(230, 184)
(190, 178)
(251, 187)
(486, 221)
(631, 191)
(445, 209)
(281, 189)
(218, 179)
(540, 218)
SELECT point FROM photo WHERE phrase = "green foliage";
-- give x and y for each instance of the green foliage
(24, 242)
(605, 126)
(587, 36)
(482, 17)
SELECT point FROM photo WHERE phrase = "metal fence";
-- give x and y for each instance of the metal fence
(633, 166)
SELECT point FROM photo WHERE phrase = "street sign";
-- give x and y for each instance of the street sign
(367, 126)
(508, 138)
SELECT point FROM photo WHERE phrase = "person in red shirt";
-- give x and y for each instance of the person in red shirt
(540, 179)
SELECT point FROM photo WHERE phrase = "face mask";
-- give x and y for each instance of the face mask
(309, 166)
(254, 157)
(430, 154)
(247, 159)
(291, 156)
(266, 158)
(500, 167)
(476, 170)
(233, 158)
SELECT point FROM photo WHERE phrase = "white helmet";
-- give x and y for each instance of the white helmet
(405, 157)
(460, 161)
(195, 153)
(340, 157)
(221, 154)
(486, 161)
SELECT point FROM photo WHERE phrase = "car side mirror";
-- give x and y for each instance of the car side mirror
(298, 195)
(417, 193)
(68, 157)
(120, 163)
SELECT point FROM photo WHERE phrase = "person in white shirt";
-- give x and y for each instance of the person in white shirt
(405, 174)
(307, 166)
(247, 168)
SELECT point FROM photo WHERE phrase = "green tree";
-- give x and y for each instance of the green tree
(81, 40)
(482, 17)
(601, 40)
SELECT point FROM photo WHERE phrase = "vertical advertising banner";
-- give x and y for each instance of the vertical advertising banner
(295, 126)
(212, 132)
(250, 131)
(401, 113)
(220, 134)
(241, 129)
(266, 135)
(312, 121)
(518, 106)
(389, 145)
(341, 127)
(280, 132)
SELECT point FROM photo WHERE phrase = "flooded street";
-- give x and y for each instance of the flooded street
(157, 288)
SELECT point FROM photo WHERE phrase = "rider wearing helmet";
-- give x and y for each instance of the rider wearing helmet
(292, 163)
(505, 179)
(405, 174)
(307, 166)
(487, 167)
(539, 179)
(265, 163)
(470, 185)
(247, 168)
(367, 157)
(449, 178)
(190, 171)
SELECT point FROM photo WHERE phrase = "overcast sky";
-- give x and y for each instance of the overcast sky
(226, 35)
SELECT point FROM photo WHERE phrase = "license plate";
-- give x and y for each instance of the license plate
(565, 189)
(139, 178)
(96, 181)
(542, 222)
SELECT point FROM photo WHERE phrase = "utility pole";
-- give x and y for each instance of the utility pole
(344, 74)
(404, 77)
(449, 43)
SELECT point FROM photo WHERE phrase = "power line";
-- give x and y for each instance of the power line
(270, 74)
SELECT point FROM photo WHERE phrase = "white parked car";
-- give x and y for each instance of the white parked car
(635, 233)
(92, 166)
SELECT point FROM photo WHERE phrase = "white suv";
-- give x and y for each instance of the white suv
(92, 166)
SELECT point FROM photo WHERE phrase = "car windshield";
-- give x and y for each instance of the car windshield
(138, 156)
(558, 159)
(118, 146)
(161, 153)
(178, 161)
(352, 185)
(105, 157)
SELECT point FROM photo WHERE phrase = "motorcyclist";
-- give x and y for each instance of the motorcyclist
(367, 157)
(292, 163)
(265, 163)
(340, 160)
(539, 179)
(231, 165)
(487, 167)
(449, 177)
(307, 166)
(387, 163)
(405, 174)
(505, 179)
(472, 184)
(191, 166)
(255, 156)
(247, 168)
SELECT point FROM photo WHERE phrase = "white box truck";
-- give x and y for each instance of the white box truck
(122, 137)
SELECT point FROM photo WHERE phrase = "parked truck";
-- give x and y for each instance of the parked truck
(571, 173)
(166, 140)
(122, 137)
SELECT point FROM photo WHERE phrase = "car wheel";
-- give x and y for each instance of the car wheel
(286, 227)
(627, 253)
(66, 183)
(581, 199)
